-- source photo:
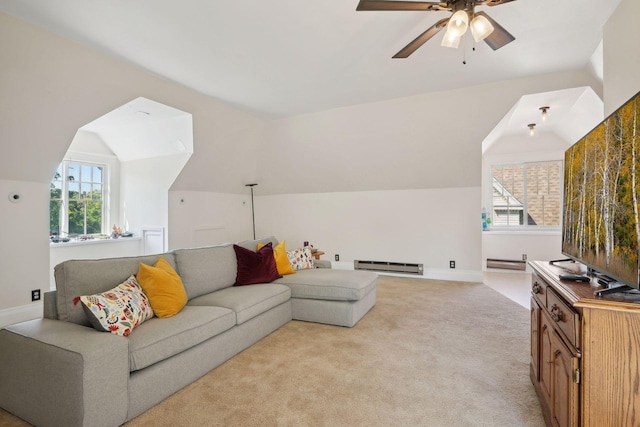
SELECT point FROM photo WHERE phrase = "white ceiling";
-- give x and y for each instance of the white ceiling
(143, 128)
(281, 58)
(572, 114)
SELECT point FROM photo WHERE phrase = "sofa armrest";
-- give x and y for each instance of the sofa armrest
(58, 373)
(50, 305)
(322, 263)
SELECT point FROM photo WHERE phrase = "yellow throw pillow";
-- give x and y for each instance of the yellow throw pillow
(282, 260)
(163, 287)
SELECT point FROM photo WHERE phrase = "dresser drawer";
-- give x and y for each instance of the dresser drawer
(539, 290)
(567, 319)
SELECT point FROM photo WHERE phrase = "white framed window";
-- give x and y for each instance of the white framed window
(527, 194)
(77, 199)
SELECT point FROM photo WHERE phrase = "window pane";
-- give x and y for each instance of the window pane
(543, 206)
(527, 195)
(73, 172)
(86, 173)
(544, 210)
(85, 189)
(55, 190)
(97, 192)
(94, 217)
(508, 191)
(555, 178)
(74, 190)
(55, 207)
(76, 217)
(77, 187)
(97, 174)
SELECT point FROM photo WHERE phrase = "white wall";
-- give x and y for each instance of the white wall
(202, 218)
(396, 180)
(24, 247)
(92, 249)
(511, 245)
(540, 245)
(428, 226)
(432, 140)
(621, 55)
(54, 87)
(145, 191)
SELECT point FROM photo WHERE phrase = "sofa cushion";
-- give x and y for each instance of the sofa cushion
(282, 259)
(158, 339)
(246, 301)
(301, 259)
(326, 284)
(118, 310)
(75, 278)
(164, 288)
(255, 267)
(204, 270)
(252, 245)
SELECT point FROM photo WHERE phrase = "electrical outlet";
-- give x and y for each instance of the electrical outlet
(35, 295)
(524, 257)
(452, 264)
(337, 257)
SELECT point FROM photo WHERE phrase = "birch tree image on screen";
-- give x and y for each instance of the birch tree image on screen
(601, 218)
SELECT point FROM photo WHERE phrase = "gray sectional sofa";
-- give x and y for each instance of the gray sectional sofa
(59, 371)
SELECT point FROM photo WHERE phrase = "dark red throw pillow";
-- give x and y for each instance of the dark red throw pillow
(256, 267)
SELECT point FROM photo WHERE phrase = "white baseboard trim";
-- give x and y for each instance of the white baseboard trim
(21, 313)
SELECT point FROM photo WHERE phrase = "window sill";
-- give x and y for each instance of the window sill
(92, 242)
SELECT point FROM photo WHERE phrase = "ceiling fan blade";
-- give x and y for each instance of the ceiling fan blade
(499, 37)
(422, 39)
(401, 5)
(492, 2)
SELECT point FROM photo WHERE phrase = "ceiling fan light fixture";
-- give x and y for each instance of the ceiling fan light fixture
(481, 28)
(458, 24)
(532, 129)
(450, 40)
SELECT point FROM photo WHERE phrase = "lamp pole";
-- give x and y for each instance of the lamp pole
(253, 215)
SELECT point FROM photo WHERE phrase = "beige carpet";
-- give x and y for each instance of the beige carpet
(430, 353)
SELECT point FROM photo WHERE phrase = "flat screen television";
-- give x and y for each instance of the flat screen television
(601, 225)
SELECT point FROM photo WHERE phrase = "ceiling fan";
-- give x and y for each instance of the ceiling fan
(463, 16)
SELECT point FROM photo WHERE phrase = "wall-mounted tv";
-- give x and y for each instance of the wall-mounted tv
(601, 226)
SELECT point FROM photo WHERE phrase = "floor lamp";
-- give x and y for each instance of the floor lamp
(253, 215)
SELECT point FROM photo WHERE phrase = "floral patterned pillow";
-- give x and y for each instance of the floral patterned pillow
(118, 310)
(301, 259)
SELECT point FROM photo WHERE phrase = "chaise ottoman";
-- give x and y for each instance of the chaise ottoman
(335, 297)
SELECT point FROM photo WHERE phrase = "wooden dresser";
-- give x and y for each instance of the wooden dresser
(585, 351)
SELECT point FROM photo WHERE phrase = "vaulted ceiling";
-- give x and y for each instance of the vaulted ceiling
(281, 58)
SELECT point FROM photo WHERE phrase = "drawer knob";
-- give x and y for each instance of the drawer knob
(556, 313)
(536, 288)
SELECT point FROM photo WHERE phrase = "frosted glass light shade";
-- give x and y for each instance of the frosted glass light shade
(458, 23)
(449, 40)
(480, 28)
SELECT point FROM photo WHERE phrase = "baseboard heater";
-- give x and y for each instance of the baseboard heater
(506, 264)
(389, 267)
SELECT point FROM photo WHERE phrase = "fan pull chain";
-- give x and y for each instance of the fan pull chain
(464, 50)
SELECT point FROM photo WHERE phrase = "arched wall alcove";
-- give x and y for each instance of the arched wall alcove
(152, 142)
(144, 146)
(572, 113)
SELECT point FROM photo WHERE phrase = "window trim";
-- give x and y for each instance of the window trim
(526, 228)
(64, 214)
